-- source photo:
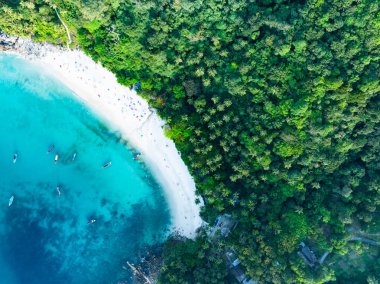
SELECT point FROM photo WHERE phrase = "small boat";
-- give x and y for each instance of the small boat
(15, 158)
(74, 156)
(137, 156)
(11, 200)
(56, 158)
(106, 165)
(50, 149)
(59, 190)
(92, 221)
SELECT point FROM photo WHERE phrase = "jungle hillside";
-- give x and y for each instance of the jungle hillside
(274, 106)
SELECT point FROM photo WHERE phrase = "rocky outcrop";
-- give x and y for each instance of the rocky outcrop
(7, 42)
(25, 46)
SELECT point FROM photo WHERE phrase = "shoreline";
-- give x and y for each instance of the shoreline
(124, 111)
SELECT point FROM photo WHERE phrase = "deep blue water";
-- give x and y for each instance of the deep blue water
(44, 237)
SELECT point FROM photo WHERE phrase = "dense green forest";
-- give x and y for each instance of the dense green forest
(275, 108)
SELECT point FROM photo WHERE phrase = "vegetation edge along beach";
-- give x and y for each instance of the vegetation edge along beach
(274, 107)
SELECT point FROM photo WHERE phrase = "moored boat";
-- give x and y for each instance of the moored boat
(11, 200)
(15, 158)
(74, 156)
(106, 165)
(59, 190)
(56, 158)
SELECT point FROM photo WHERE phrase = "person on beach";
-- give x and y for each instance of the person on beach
(136, 156)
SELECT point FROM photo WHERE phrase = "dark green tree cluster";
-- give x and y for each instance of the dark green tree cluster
(193, 261)
(273, 104)
(359, 265)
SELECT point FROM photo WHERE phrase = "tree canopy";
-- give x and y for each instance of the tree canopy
(273, 104)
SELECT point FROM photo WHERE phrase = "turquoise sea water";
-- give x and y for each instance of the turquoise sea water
(44, 237)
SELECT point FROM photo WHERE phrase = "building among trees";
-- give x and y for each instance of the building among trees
(307, 255)
(224, 224)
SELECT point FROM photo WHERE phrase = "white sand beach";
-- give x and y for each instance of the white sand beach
(123, 110)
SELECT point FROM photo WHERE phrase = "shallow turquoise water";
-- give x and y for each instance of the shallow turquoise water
(44, 237)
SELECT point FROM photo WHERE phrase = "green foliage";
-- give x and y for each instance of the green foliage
(287, 150)
(92, 26)
(31, 18)
(177, 132)
(192, 261)
(295, 230)
(179, 92)
(359, 266)
(274, 106)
